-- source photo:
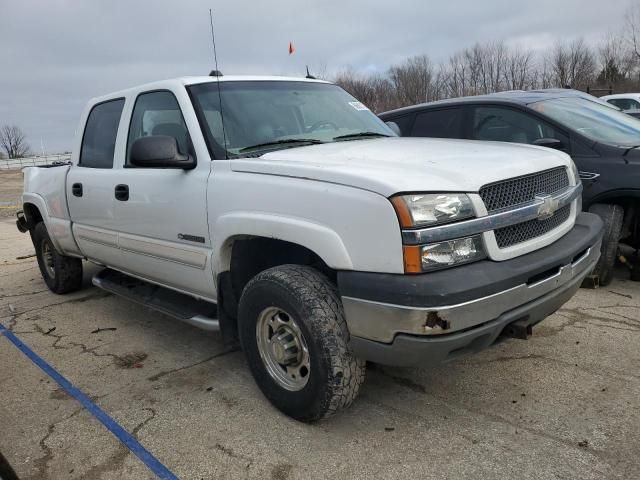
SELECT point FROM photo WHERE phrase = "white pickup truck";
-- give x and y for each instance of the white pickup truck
(284, 213)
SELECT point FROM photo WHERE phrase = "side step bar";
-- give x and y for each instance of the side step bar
(195, 312)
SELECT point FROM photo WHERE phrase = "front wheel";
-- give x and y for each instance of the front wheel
(294, 335)
(61, 274)
(612, 216)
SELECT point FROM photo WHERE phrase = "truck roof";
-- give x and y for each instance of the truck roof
(161, 84)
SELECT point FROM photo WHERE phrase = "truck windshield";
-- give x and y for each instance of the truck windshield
(262, 116)
(596, 122)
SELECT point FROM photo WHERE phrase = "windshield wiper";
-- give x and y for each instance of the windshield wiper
(288, 141)
(352, 136)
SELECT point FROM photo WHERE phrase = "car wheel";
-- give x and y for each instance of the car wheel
(62, 274)
(295, 337)
(612, 216)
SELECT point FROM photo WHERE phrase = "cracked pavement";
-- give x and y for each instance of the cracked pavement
(565, 404)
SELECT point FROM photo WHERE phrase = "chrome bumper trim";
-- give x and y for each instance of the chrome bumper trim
(500, 219)
(382, 321)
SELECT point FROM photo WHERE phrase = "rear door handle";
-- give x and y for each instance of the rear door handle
(122, 192)
(76, 189)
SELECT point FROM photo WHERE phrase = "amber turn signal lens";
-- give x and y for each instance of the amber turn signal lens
(412, 258)
(404, 216)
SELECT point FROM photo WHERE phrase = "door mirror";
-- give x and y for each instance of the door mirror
(549, 143)
(159, 151)
(394, 127)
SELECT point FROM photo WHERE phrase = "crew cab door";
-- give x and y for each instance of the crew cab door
(161, 220)
(89, 188)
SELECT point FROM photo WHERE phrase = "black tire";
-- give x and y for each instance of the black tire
(61, 274)
(612, 216)
(335, 374)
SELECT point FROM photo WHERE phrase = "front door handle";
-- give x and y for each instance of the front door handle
(76, 189)
(122, 192)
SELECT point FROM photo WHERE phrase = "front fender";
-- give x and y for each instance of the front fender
(318, 238)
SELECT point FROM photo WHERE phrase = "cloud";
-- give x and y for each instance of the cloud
(57, 54)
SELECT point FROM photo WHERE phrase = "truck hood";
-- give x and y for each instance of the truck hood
(399, 164)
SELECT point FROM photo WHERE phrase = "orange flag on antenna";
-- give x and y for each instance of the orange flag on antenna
(291, 48)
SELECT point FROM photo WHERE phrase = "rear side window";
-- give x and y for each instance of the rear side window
(158, 113)
(445, 123)
(99, 139)
(625, 103)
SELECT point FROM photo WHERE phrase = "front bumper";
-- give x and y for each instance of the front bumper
(408, 320)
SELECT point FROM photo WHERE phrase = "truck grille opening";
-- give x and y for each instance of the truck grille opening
(524, 231)
(519, 190)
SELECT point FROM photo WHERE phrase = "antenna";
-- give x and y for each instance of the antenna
(309, 75)
(217, 74)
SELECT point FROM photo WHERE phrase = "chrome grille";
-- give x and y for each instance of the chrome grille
(522, 232)
(515, 191)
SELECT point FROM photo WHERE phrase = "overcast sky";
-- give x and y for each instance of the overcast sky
(56, 54)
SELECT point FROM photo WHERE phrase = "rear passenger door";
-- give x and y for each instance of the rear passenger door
(90, 185)
(162, 221)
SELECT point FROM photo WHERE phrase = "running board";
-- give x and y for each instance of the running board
(187, 309)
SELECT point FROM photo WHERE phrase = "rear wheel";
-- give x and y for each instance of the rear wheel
(612, 216)
(295, 338)
(61, 274)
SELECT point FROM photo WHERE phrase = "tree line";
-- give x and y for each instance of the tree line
(489, 67)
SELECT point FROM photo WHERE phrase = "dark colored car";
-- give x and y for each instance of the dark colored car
(603, 142)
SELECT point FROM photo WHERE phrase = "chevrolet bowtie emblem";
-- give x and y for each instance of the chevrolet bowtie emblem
(548, 206)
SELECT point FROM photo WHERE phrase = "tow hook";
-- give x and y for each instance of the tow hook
(519, 329)
(21, 222)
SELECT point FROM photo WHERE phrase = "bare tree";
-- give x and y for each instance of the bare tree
(415, 81)
(632, 16)
(520, 72)
(616, 60)
(374, 91)
(572, 64)
(13, 141)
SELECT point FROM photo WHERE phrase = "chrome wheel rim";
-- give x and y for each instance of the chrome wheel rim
(283, 349)
(47, 259)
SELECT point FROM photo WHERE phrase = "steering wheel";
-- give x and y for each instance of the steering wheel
(322, 123)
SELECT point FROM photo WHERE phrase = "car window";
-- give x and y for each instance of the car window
(404, 123)
(509, 125)
(625, 103)
(593, 120)
(443, 123)
(99, 139)
(158, 113)
(270, 115)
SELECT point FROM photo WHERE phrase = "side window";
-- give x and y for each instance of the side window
(509, 125)
(99, 139)
(158, 113)
(404, 122)
(445, 123)
(625, 103)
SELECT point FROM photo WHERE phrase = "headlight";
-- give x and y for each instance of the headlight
(422, 210)
(449, 253)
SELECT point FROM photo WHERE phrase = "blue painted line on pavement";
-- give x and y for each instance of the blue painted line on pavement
(120, 433)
